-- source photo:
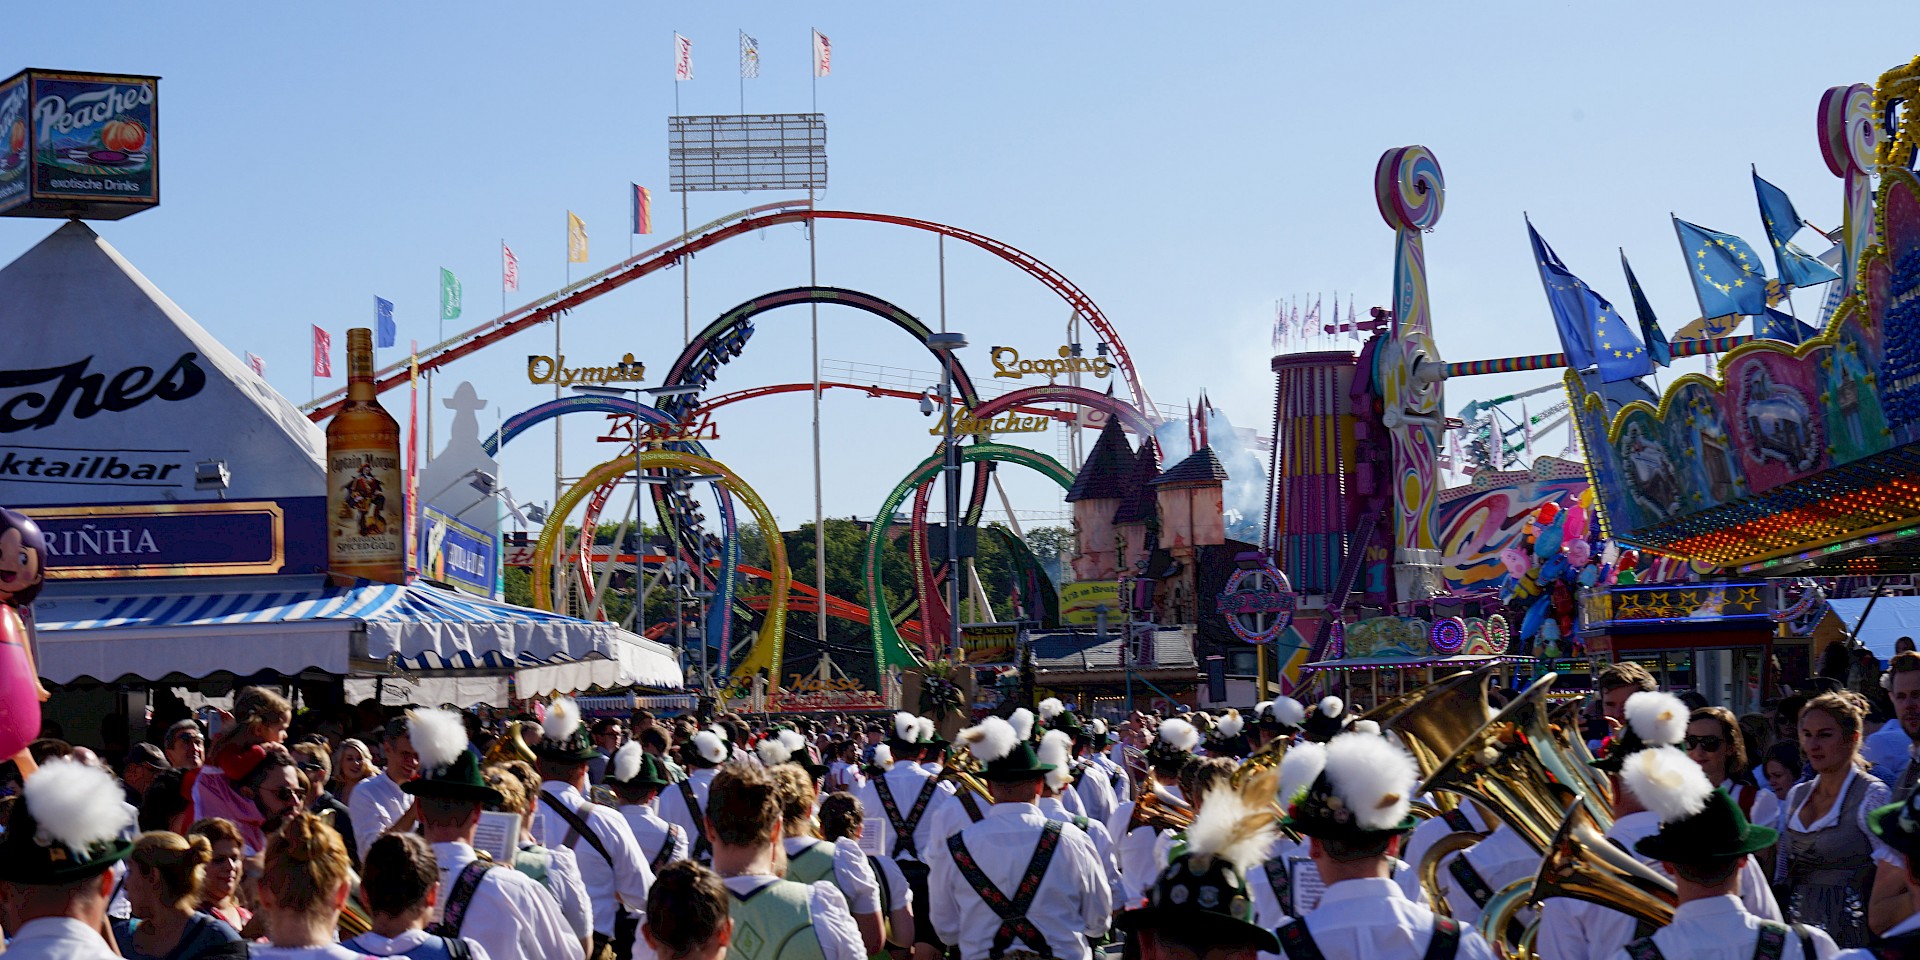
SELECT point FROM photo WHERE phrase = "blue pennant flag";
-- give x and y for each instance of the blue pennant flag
(1798, 268)
(1728, 276)
(385, 332)
(1587, 322)
(1657, 346)
(1774, 325)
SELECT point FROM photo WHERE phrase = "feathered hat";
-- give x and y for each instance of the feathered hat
(708, 748)
(563, 737)
(1698, 822)
(1226, 739)
(1055, 715)
(780, 747)
(1654, 719)
(1094, 733)
(1173, 744)
(1357, 787)
(1005, 755)
(636, 769)
(1205, 887)
(1326, 721)
(1056, 751)
(904, 733)
(65, 827)
(448, 770)
(1283, 715)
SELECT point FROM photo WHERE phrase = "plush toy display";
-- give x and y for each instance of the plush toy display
(23, 551)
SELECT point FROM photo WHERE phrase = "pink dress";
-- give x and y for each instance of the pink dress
(19, 696)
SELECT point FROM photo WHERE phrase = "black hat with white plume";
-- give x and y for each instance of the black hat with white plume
(1698, 822)
(67, 826)
(1356, 787)
(1173, 744)
(633, 767)
(1204, 889)
(1654, 719)
(563, 737)
(1326, 720)
(448, 770)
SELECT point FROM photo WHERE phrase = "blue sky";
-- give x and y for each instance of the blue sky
(1185, 171)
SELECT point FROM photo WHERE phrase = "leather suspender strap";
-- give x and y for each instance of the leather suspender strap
(1475, 888)
(576, 827)
(903, 826)
(1645, 949)
(1445, 941)
(1297, 943)
(1457, 821)
(1282, 884)
(701, 848)
(971, 804)
(460, 898)
(1011, 911)
(1772, 941)
(665, 856)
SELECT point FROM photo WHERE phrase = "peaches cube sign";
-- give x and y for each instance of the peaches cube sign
(80, 145)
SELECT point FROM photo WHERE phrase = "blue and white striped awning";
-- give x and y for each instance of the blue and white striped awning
(110, 630)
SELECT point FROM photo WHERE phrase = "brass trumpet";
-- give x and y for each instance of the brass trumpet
(1160, 810)
(961, 770)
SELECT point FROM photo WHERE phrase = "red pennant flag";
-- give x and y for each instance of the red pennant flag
(322, 353)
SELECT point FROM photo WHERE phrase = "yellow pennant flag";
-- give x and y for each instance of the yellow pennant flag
(576, 239)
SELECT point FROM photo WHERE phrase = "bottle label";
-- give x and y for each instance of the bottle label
(366, 506)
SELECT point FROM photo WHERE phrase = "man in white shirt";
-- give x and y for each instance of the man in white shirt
(1573, 929)
(1093, 740)
(1703, 842)
(1135, 838)
(911, 817)
(1889, 901)
(685, 805)
(1351, 798)
(612, 865)
(508, 913)
(378, 805)
(1017, 884)
(1898, 826)
(56, 878)
(637, 777)
(1056, 751)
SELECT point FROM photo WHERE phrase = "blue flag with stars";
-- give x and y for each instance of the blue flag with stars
(1774, 325)
(1657, 346)
(1585, 319)
(1728, 276)
(1797, 267)
(384, 330)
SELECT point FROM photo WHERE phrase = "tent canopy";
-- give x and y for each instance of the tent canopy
(1891, 619)
(115, 630)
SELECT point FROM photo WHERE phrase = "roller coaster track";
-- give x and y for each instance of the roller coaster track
(566, 299)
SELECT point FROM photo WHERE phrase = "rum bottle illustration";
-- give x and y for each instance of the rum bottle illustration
(366, 503)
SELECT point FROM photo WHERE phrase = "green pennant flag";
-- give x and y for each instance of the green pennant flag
(449, 295)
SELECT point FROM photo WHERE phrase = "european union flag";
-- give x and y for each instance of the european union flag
(1728, 276)
(384, 331)
(1657, 346)
(1797, 267)
(1586, 321)
(1774, 325)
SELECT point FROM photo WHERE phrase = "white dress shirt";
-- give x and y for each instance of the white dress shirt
(1370, 919)
(852, 874)
(833, 926)
(1140, 850)
(673, 808)
(1718, 928)
(1581, 930)
(322, 951)
(936, 823)
(1889, 749)
(654, 833)
(1500, 859)
(379, 946)
(1117, 777)
(568, 890)
(1766, 806)
(58, 938)
(377, 803)
(1095, 789)
(609, 886)
(510, 913)
(1072, 903)
(1124, 895)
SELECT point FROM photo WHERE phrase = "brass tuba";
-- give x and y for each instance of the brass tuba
(1583, 864)
(1433, 721)
(1513, 766)
(963, 771)
(510, 745)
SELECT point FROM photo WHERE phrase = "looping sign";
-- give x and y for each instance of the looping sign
(1258, 603)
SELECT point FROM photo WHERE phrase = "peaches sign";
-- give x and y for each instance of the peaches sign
(78, 145)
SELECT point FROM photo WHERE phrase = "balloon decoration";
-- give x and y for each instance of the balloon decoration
(1559, 554)
(23, 551)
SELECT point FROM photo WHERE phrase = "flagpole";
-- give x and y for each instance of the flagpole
(813, 306)
(560, 597)
(434, 374)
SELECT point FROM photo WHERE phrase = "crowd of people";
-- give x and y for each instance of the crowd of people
(434, 833)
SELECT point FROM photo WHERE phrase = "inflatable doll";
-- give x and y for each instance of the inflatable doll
(23, 550)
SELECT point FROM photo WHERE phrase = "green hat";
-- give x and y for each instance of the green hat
(1203, 892)
(1698, 821)
(1654, 719)
(448, 770)
(1055, 715)
(563, 737)
(1004, 753)
(1357, 787)
(1898, 824)
(636, 768)
(67, 826)
(1228, 738)
(1094, 734)
(907, 732)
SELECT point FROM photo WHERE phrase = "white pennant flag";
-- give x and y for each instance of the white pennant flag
(822, 54)
(509, 269)
(682, 58)
(749, 57)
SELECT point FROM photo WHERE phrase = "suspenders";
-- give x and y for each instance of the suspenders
(1297, 944)
(1282, 884)
(1770, 945)
(665, 856)
(461, 897)
(903, 826)
(701, 849)
(1011, 911)
(1457, 821)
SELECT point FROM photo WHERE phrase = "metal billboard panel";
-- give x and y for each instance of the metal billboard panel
(775, 151)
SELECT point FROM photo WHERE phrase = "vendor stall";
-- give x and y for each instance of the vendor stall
(1379, 658)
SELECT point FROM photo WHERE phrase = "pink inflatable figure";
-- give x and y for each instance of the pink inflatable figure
(23, 551)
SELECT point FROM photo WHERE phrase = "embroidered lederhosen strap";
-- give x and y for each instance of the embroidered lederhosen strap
(1445, 941)
(903, 826)
(1644, 949)
(665, 856)
(699, 817)
(1282, 884)
(1457, 821)
(1297, 943)
(1772, 942)
(460, 898)
(1475, 888)
(971, 804)
(1012, 911)
(577, 828)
